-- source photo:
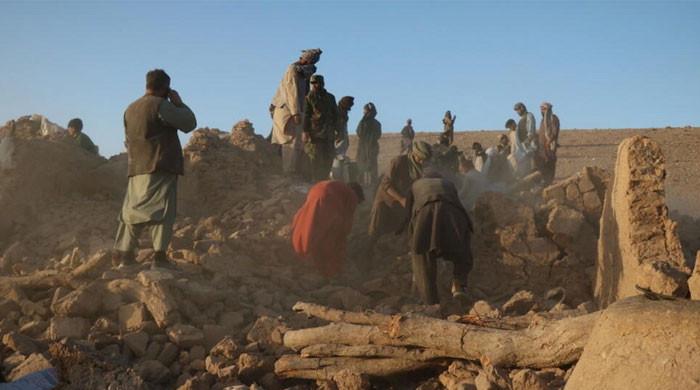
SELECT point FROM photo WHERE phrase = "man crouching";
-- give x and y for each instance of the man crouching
(155, 161)
(439, 228)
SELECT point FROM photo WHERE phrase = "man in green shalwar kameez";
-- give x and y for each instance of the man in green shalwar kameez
(155, 161)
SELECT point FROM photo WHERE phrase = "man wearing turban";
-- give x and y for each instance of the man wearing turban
(287, 109)
(548, 135)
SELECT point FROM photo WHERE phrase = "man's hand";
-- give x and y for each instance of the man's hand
(305, 137)
(297, 119)
(175, 98)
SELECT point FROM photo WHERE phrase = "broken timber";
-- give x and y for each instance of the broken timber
(381, 345)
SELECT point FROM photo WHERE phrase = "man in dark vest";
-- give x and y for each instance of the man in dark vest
(155, 161)
(439, 228)
(320, 128)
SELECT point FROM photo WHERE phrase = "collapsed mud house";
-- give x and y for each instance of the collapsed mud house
(238, 313)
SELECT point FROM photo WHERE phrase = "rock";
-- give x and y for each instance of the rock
(153, 350)
(83, 302)
(591, 202)
(267, 331)
(491, 378)
(153, 371)
(232, 320)
(635, 227)
(459, 376)
(660, 277)
(520, 303)
(197, 353)
(33, 363)
(19, 343)
(555, 192)
(168, 354)
(527, 380)
(349, 299)
(484, 309)
(226, 348)
(565, 221)
(349, 380)
(7, 306)
(137, 342)
(147, 278)
(70, 327)
(641, 344)
(185, 336)
(213, 334)
(34, 328)
(132, 316)
(253, 366)
(572, 192)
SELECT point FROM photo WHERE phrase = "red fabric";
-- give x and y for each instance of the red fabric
(322, 225)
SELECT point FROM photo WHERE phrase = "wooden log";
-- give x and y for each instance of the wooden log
(325, 368)
(548, 344)
(336, 315)
(40, 279)
(374, 351)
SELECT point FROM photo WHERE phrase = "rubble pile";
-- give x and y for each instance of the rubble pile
(228, 315)
(537, 243)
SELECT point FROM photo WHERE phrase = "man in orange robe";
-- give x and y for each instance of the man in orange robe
(321, 226)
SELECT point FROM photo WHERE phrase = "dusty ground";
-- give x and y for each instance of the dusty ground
(580, 148)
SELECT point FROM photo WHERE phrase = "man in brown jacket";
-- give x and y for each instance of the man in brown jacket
(155, 161)
(439, 228)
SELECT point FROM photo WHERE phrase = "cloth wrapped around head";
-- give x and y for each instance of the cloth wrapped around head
(311, 55)
(546, 105)
(519, 106)
(371, 110)
(422, 150)
(346, 102)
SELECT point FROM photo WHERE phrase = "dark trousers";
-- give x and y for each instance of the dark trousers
(425, 273)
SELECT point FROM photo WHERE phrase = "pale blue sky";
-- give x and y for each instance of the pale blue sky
(602, 64)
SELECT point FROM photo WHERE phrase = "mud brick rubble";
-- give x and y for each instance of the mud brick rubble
(224, 319)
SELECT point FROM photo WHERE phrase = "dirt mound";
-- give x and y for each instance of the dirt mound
(32, 126)
(224, 169)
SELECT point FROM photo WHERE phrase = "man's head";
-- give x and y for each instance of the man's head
(421, 152)
(503, 140)
(317, 82)
(465, 164)
(75, 126)
(511, 125)
(157, 83)
(545, 107)
(370, 110)
(477, 148)
(520, 108)
(310, 56)
(409, 122)
(359, 192)
(346, 103)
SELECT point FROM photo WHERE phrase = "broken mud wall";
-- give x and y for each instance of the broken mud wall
(537, 243)
(639, 243)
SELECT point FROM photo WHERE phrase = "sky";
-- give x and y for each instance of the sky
(612, 64)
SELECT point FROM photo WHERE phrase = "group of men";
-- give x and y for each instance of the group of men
(410, 196)
(312, 130)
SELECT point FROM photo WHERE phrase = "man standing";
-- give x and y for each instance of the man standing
(369, 131)
(155, 161)
(320, 131)
(546, 159)
(321, 226)
(527, 128)
(407, 136)
(340, 170)
(448, 134)
(76, 136)
(287, 109)
(439, 228)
